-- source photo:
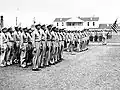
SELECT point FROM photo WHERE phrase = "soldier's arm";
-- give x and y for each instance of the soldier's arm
(33, 39)
(45, 36)
(21, 40)
(11, 38)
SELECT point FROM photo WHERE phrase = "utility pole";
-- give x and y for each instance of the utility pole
(17, 12)
(34, 20)
(1, 21)
(16, 20)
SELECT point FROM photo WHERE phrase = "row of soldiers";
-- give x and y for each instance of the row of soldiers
(100, 36)
(39, 45)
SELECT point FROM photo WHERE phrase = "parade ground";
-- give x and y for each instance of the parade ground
(97, 68)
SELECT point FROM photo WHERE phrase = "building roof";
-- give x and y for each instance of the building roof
(81, 18)
(89, 18)
(75, 20)
(61, 19)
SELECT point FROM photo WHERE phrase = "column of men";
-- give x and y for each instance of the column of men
(39, 45)
(100, 36)
(76, 40)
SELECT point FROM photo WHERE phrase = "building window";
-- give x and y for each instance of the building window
(88, 23)
(62, 24)
(57, 24)
(69, 24)
(93, 23)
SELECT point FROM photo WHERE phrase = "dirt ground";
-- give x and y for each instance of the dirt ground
(95, 69)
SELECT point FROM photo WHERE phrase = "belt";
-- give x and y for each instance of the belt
(11, 41)
(24, 42)
(37, 41)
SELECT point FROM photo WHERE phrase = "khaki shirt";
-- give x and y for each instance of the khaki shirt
(10, 37)
(3, 38)
(17, 36)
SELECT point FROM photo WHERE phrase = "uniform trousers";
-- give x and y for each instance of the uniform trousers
(10, 52)
(23, 54)
(36, 55)
(16, 57)
(42, 55)
(48, 52)
(3, 54)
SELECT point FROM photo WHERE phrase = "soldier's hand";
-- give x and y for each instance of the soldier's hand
(34, 50)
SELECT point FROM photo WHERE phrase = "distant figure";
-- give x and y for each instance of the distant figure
(96, 37)
(104, 42)
(100, 37)
(91, 38)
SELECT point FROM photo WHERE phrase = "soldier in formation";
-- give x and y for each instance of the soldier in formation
(39, 45)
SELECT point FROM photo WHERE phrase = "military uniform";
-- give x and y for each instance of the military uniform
(29, 48)
(3, 46)
(79, 42)
(68, 41)
(10, 44)
(104, 42)
(17, 40)
(44, 45)
(53, 50)
(48, 47)
(36, 41)
(61, 46)
(57, 45)
(23, 47)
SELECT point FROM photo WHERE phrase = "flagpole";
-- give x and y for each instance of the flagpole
(17, 16)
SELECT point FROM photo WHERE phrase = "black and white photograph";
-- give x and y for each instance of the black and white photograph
(59, 45)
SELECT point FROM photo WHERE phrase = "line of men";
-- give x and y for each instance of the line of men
(100, 36)
(39, 45)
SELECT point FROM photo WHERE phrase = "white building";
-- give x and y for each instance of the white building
(77, 23)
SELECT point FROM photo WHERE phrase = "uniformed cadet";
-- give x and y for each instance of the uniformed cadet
(17, 39)
(99, 37)
(104, 42)
(3, 45)
(59, 45)
(88, 35)
(83, 41)
(62, 38)
(54, 45)
(68, 41)
(56, 56)
(23, 47)
(72, 42)
(37, 48)
(76, 40)
(48, 44)
(96, 37)
(65, 39)
(44, 45)
(93, 34)
(80, 41)
(29, 48)
(91, 37)
(10, 44)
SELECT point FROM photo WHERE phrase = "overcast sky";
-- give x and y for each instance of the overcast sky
(46, 10)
